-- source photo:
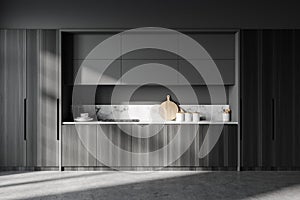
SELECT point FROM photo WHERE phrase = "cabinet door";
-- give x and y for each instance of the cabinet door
(296, 140)
(149, 145)
(284, 131)
(12, 98)
(135, 72)
(224, 152)
(250, 98)
(214, 45)
(93, 72)
(183, 145)
(42, 94)
(79, 145)
(114, 145)
(192, 74)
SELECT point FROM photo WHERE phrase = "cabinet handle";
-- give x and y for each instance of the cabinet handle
(25, 121)
(241, 120)
(273, 119)
(57, 117)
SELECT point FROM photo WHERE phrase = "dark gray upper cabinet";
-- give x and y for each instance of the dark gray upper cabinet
(90, 45)
(213, 45)
(149, 44)
(93, 72)
(138, 72)
(144, 47)
(190, 74)
(12, 98)
(42, 85)
(148, 53)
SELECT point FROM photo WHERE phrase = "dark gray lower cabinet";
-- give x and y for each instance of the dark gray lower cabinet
(146, 146)
(149, 145)
(12, 98)
(183, 145)
(224, 152)
(79, 145)
(114, 145)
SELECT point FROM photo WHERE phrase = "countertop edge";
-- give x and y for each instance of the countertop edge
(146, 123)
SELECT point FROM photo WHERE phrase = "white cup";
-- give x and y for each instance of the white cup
(226, 117)
(84, 115)
(196, 117)
(188, 117)
(179, 117)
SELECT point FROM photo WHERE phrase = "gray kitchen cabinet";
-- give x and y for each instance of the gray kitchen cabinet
(79, 145)
(224, 152)
(85, 45)
(193, 74)
(12, 98)
(93, 72)
(42, 94)
(146, 54)
(183, 145)
(114, 145)
(146, 44)
(136, 72)
(213, 45)
(149, 145)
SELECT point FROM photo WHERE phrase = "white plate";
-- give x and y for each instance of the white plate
(83, 119)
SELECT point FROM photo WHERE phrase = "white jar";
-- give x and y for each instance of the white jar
(180, 117)
(196, 117)
(226, 117)
(188, 117)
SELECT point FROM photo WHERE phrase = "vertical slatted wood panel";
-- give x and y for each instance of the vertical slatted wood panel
(224, 152)
(79, 145)
(112, 140)
(42, 90)
(149, 141)
(186, 138)
(250, 66)
(12, 95)
(296, 140)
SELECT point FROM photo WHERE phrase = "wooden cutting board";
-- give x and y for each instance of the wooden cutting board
(168, 109)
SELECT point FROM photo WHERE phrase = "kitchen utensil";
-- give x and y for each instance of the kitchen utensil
(168, 109)
(188, 117)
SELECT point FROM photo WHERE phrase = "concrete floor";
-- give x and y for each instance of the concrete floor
(150, 185)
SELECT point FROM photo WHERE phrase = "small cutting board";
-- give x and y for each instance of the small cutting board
(168, 109)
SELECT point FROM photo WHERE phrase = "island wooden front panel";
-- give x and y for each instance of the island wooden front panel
(138, 146)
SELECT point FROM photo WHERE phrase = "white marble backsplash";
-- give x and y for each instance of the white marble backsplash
(145, 113)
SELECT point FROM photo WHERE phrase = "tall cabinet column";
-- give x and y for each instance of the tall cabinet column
(42, 98)
(12, 98)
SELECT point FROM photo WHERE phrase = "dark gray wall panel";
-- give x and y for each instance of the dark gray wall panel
(137, 13)
(12, 95)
